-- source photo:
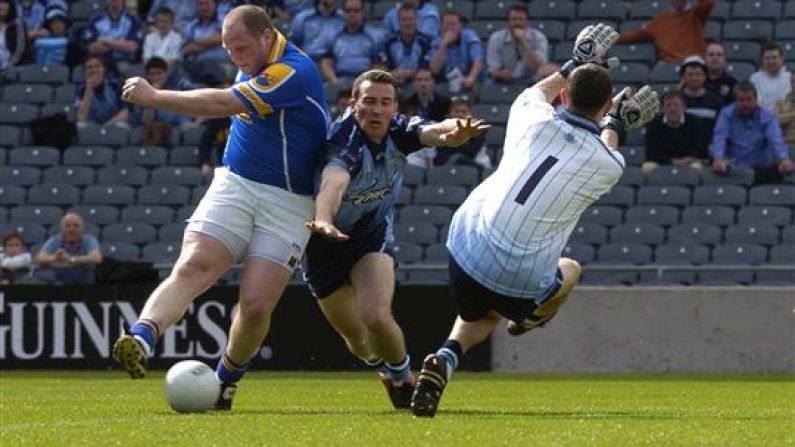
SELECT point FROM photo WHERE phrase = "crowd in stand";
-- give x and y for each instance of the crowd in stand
(710, 120)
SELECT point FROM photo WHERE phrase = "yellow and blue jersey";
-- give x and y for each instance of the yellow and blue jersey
(279, 141)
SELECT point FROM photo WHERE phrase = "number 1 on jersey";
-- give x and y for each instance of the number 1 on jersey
(535, 177)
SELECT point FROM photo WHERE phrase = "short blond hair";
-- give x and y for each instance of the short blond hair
(254, 18)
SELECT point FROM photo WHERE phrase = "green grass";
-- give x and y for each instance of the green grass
(56, 408)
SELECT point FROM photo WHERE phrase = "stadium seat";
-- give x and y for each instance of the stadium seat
(635, 52)
(408, 252)
(437, 254)
(681, 253)
(130, 232)
(738, 175)
(161, 252)
(109, 195)
(163, 195)
(492, 113)
(38, 74)
(414, 175)
(588, 233)
(418, 233)
(58, 194)
(27, 93)
(731, 195)
(695, 233)
(153, 214)
(440, 195)
(721, 11)
(624, 253)
(713, 215)
(673, 175)
(631, 73)
(603, 215)
(32, 232)
(644, 233)
(775, 278)
(13, 113)
(34, 156)
(582, 253)
(611, 278)
(495, 137)
(553, 9)
(9, 136)
(754, 233)
(405, 197)
(636, 137)
(664, 72)
(428, 277)
(601, 9)
(562, 51)
(788, 234)
(20, 175)
(177, 175)
(664, 195)
(11, 194)
(149, 156)
(765, 214)
(70, 175)
(64, 94)
(197, 193)
(123, 251)
(437, 215)
(462, 175)
(483, 28)
(130, 175)
(555, 30)
(184, 212)
(655, 214)
(756, 10)
(192, 136)
(184, 156)
(646, 9)
(575, 26)
(489, 11)
(739, 254)
(783, 195)
(632, 25)
(42, 215)
(634, 156)
(98, 214)
(619, 195)
(785, 29)
(740, 70)
(113, 136)
(493, 93)
(172, 232)
(743, 51)
(783, 254)
(88, 156)
(755, 30)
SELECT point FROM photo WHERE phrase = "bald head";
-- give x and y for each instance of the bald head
(253, 18)
(72, 226)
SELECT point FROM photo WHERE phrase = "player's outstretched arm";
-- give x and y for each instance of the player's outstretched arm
(629, 112)
(333, 183)
(206, 102)
(452, 132)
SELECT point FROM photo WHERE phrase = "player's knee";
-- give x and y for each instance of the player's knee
(195, 272)
(255, 308)
(377, 319)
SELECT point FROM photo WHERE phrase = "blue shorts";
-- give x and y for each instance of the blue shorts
(475, 301)
(328, 263)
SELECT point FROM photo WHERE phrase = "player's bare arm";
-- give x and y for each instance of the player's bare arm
(452, 132)
(333, 183)
(206, 102)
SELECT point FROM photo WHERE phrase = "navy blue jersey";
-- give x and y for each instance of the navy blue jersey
(376, 170)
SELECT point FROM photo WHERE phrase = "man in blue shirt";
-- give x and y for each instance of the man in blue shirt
(351, 270)
(257, 203)
(427, 17)
(72, 254)
(459, 57)
(313, 26)
(354, 49)
(403, 53)
(114, 34)
(203, 35)
(749, 135)
(98, 100)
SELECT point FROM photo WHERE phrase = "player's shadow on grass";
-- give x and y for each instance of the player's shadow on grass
(565, 414)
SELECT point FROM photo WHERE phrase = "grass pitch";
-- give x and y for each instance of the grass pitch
(58, 408)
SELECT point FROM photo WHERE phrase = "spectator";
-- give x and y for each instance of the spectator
(772, 81)
(749, 135)
(311, 28)
(203, 34)
(677, 33)
(50, 50)
(461, 107)
(676, 137)
(157, 124)
(72, 254)
(163, 42)
(719, 81)
(212, 143)
(405, 52)
(459, 58)
(98, 100)
(426, 102)
(15, 261)
(115, 34)
(698, 100)
(785, 111)
(32, 13)
(427, 18)
(354, 49)
(13, 44)
(341, 103)
(285, 10)
(518, 52)
(182, 12)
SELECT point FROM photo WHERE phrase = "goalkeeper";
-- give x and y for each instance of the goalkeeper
(506, 239)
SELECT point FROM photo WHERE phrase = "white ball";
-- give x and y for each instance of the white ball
(191, 387)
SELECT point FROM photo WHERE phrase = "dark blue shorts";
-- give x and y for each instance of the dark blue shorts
(475, 301)
(327, 262)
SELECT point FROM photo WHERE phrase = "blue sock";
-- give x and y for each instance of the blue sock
(146, 332)
(377, 364)
(228, 371)
(399, 372)
(451, 351)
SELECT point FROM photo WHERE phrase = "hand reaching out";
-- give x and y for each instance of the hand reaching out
(326, 229)
(464, 131)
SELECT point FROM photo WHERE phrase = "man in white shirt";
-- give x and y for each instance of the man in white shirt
(772, 81)
(517, 53)
(163, 42)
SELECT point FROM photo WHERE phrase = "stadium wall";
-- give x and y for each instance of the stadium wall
(688, 329)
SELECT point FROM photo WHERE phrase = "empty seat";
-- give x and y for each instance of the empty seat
(743, 51)
(20, 175)
(419, 233)
(619, 195)
(562, 51)
(408, 252)
(490, 10)
(673, 175)
(654, 214)
(32, 73)
(721, 11)
(635, 52)
(123, 251)
(646, 9)
(98, 214)
(184, 156)
(71, 175)
(109, 195)
(756, 9)
(739, 254)
(602, 215)
(601, 9)
(714, 215)
(440, 195)
(740, 70)
(151, 214)
(163, 195)
(764, 214)
(32, 232)
(773, 277)
(141, 155)
(493, 93)
(60, 107)
(58, 194)
(122, 175)
(437, 215)
(757, 30)
(492, 113)
(413, 175)
(575, 26)
(161, 252)
(623, 254)
(495, 137)
(437, 254)
(731, 195)
(582, 253)
(783, 195)
(695, 233)
(588, 233)
(631, 72)
(462, 175)
(171, 232)
(11, 113)
(664, 72)
(197, 194)
(553, 9)
(130, 232)
(103, 136)
(681, 253)
(64, 94)
(405, 197)
(27, 93)
(644, 233)
(788, 234)
(636, 137)
(483, 28)
(634, 155)
(753, 233)
(95, 156)
(43, 215)
(34, 156)
(783, 254)
(555, 30)
(785, 29)
(184, 212)
(738, 175)
(9, 135)
(664, 195)
(632, 176)
(192, 136)
(177, 175)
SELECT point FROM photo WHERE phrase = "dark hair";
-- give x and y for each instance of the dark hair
(589, 88)
(255, 18)
(403, 8)
(745, 86)
(684, 68)
(376, 77)
(156, 62)
(166, 11)
(12, 234)
(772, 46)
(518, 7)
(671, 94)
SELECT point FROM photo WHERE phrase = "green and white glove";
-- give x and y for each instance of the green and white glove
(591, 46)
(632, 111)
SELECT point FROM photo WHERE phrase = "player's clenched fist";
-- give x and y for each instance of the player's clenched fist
(137, 90)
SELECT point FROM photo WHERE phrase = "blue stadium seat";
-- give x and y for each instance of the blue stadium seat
(754, 233)
(575, 26)
(636, 137)
(492, 113)
(419, 233)
(765, 214)
(122, 251)
(493, 93)
(437, 215)
(54, 194)
(150, 156)
(624, 253)
(405, 197)
(731, 195)
(98, 214)
(37, 74)
(197, 193)
(71, 175)
(756, 10)
(783, 195)
(42, 215)
(489, 11)
(10, 136)
(177, 175)
(775, 278)
(610, 278)
(152, 214)
(130, 175)
(601, 9)
(27, 93)
(184, 156)
(64, 94)
(631, 72)
(673, 175)
(32, 232)
(414, 175)
(163, 195)
(623, 196)
(664, 72)
(603, 215)
(582, 253)
(632, 25)
(788, 234)
(108, 195)
(95, 156)
(739, 254)
(634, 155)
(664, 195)
(462, 175)
(428, 277)
(130, 232)
(553, 9)
(713, 215)
(408, 252)
(655, 214)
(783, 254)
(192, 136)
(161, 252)
(588, 233)
(750, 52)
(646, 9)
(437, 254)
(20, 175)
(756, 30)
(440, 195)
(555, 30)
(562, 51)
(171, 232)
(644, 233)
(34, 156)
(681, 253)
(738, 175)
(495, 138)
(695, 233)
(785, 29)
(483, 28)
(22, 114)
(635, 52)
(740, 70)
(113, 136)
